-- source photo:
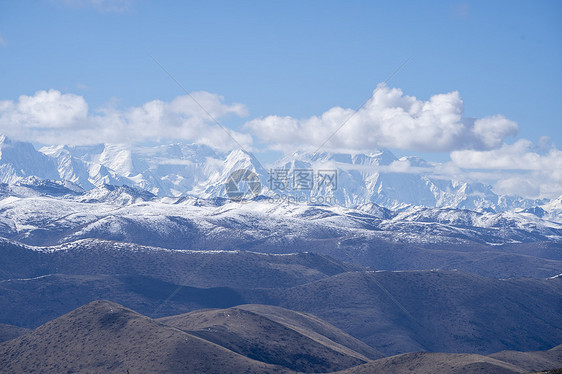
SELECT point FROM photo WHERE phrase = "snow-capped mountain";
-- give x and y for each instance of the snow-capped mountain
(119, 195)
(196, 170)
(19, 160)
(375, 177)
(551, 210)
(497, 244)
(164, 170)
(236, 160)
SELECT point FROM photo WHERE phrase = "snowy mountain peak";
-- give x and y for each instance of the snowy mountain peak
(20, 159)
(50, 187)
(377, 157)
(120, 195)
(240, 159)
(237, 159)
(190, 169)
(122, 159)
(415, 161)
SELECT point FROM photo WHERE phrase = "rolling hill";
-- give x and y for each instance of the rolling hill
(255, 335)
(105, 337)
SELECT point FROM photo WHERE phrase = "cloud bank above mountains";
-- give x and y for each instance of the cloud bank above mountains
(51, 117)
(389, 119)
(520, 168)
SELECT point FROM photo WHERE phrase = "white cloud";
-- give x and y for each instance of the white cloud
(389, 119)
(518, 185)
(535, 184)
(3, 42)
(51, 117)
(491, 131)
(520, 168)
(521, 155)
(46, 109)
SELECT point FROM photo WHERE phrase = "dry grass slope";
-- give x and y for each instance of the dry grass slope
(104, 337)
(532, 361)
(429, 363)
(8, 332)
(287, 340)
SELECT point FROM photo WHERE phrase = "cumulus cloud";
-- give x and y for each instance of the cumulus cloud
(534, 184)
(518, 185)
(389, 119)
(521, 168)
(46, 109)
(51, 117)
(521, 155)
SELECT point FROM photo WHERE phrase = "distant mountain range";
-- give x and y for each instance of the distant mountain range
(51, 214)
(200, 171)
(401, 262)
(174, 196)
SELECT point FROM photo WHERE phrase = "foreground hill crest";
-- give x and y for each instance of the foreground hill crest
(105, 337)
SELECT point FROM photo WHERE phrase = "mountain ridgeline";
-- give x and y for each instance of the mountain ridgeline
(197, 170)
(118, 259)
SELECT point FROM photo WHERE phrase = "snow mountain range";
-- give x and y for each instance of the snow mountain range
(196, 170)
(50, 216)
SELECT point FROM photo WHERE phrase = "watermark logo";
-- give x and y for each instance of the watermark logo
(243, 184)
(281, 180)
(303, 186)
(285, 185)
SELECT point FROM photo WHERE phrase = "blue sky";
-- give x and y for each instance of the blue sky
(285, 62)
